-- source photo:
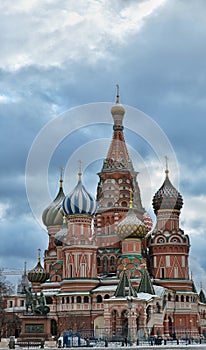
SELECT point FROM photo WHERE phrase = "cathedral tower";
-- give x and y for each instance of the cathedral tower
(79, 249)
(168, 245)
(116, 178)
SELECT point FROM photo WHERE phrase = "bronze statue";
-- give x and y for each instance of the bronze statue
(36, 305)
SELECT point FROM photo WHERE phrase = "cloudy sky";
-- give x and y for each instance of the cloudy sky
(57, 56)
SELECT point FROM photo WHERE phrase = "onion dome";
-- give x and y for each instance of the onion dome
(38, 274)
(118, 113)
(118, 109)
(61, 235)
(131, 226)
(79, 201)
(167, 197)
(147, 221)
(52, 215)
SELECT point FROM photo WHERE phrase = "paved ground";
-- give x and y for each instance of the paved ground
(112, 346)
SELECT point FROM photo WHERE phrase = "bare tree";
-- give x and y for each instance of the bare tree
(6, 288)
(70, 321)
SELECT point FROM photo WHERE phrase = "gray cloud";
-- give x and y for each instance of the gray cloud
(49, 65)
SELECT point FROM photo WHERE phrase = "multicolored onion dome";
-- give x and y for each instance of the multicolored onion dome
(38, 274)
(131, 226)
(167, 197)
(53, 215)
(79, 201)
(147, 221)
(61, 235)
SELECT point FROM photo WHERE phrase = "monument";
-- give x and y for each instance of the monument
(35, 324)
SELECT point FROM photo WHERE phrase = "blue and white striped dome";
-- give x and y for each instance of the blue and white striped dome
(79, 201)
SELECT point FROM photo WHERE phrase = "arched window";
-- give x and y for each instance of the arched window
(62, 300)
(68, 300)
(148, 312)
(114, 321)
(105, 264)
(99, 299)
(169, 297)
(72, 300)
(79, 300)
(177, 298)
(98, 261)
(187, 299)
(112, 261)
(86, 299)
(71, 271)
(107, 226)
(162, 271)
(182, 298)
(106, 296)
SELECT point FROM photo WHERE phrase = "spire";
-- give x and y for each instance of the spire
(39, 255)
(24, 268)
(125, 287)
(117, 156)
(61, 176)
(166, 166)
(80, 170)
(145, 285)
(117, 94)
(24, 283)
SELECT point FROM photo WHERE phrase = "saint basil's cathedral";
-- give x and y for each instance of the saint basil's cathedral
(106, 268)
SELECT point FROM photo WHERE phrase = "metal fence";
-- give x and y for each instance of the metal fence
(143, 337)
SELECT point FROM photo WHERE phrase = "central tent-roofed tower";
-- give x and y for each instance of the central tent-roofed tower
(116, 179)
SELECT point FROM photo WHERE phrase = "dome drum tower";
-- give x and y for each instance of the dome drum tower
(168, 245)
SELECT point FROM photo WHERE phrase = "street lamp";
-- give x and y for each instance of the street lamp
(129, 300)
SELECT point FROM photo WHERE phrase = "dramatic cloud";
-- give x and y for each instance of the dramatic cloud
(56, 34)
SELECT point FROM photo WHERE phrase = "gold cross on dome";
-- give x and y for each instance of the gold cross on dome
(39, 255)
(61, 172)
(166, 164)
(80, 169)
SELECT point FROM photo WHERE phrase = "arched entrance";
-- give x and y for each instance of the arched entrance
(98, 326)
(124, 322)
(53, 326)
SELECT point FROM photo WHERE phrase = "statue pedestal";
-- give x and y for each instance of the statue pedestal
(35, 328)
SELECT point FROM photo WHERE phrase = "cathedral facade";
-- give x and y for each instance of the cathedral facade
(107, 268)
